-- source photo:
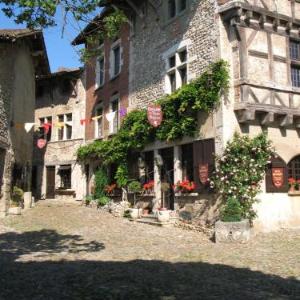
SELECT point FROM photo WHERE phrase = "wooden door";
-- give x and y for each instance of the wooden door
(50, 182)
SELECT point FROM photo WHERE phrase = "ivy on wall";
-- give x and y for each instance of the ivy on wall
(180, 118)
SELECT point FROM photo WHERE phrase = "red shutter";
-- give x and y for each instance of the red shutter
(270, 187)
(203, 154)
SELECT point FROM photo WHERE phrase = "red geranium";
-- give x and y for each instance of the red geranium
(185, 186)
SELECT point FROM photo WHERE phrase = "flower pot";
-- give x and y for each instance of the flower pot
(15, 211)
(163, 215)
(146, 212)
(134, 213)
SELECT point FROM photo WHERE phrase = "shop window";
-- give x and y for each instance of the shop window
(65, 176)
(295, 62)
(187, 160)
(177, 70)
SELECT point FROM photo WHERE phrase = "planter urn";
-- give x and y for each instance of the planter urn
(163, 216)
(134, 213)
(15, 211)
(232, 232)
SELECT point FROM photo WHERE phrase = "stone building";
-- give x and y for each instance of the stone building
(23, 57)
(59, 115)
(172, 42)
(107, 81)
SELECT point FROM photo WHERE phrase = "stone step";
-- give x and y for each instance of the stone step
(152, 221)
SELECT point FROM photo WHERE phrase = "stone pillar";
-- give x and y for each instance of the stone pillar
(27, 200)
(177, 164)
(157, 184)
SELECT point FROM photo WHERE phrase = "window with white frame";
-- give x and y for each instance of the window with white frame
(99, 121)
(46, 127)
(175, 7)
(177, 70)
(100, 71)
(115, 68)
(295, 62)
(64, 127)
(114, 108)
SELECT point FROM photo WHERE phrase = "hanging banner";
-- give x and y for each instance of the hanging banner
(46, 127)
(278, 177)
(155, 115)
(85, 121)
(41, 143)
(28, 126)
(203, 173)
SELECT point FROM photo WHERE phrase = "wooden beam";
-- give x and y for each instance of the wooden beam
(286, 121)
(245, 116)
(267, 119)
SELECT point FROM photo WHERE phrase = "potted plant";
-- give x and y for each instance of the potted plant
(231, 227)
(148, 187)
(184, 187)
(134, 187)
(16, 201)
(292, 184)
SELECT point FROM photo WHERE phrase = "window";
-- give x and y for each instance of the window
(45, 129)
(177, 72)
(100, 72)
(65, 176)
(115, 109)
(99, 121)
(187, 162)
(64, 127)
(295, 58)
(294, 168)
(116, 60)
(175, 7)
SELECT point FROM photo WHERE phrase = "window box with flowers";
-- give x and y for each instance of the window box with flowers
(185, 188)
(294, 187)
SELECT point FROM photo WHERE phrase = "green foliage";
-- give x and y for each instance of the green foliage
(134, 186)
(240, 170)
(17, 195)
(232, 211)
(101, 181)
(88, 199)
(122, 175)
(102, 201)
(180, 119)
(113, 23)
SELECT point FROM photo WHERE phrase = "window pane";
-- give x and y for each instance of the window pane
(183, 75)
(115, 108)
(172, 61)
(295, 76)
(99, 112)
(294, 168)
(172, 79)
(101, 71)
(69, 117)
(68, 132)
(183, 56)
(116, 60)
(295, 50)
(172, 8)
(65, 177)
(182, 5)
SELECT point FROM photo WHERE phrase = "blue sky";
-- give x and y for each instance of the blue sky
(60, 51)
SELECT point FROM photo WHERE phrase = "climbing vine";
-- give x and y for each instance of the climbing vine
(180, 118)
(239, 172)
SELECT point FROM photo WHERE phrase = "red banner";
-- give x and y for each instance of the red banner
(155, 115)
(278, 177)
(41, 143)
(203, 173)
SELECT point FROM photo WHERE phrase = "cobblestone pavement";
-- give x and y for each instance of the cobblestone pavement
(66, 251)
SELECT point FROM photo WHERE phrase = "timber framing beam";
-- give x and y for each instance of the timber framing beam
(245, 15)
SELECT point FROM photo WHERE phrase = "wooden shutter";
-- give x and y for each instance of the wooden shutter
(203, 154)
(270, 187)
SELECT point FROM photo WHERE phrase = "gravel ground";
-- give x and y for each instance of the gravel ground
(66, 251)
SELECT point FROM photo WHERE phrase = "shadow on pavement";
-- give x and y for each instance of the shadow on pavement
(140, 279)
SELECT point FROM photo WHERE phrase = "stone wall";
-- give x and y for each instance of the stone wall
(52, 103)
(194, 28)
(17, 90)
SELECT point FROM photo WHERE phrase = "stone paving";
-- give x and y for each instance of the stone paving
(66, 251)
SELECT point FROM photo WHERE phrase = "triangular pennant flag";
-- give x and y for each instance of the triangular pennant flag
(28, 126)
(46, 127)
(96, 118)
